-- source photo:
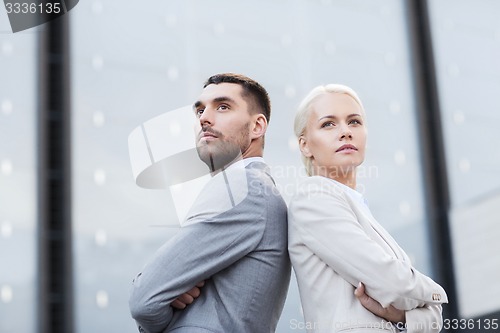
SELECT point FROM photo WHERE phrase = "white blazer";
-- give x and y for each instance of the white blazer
(334, 243)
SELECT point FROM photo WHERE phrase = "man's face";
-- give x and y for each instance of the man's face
(223, 126)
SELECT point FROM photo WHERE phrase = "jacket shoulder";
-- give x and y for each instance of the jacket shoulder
(316, 186)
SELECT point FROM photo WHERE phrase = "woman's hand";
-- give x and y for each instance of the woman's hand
(391, 313)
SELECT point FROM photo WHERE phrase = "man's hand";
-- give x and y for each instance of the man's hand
(391, 313)
(188, 297)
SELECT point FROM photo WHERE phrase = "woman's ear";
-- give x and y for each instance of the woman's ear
(304, 148)
(259, 126)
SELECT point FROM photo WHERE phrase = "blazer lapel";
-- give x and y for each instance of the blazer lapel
(376, 231)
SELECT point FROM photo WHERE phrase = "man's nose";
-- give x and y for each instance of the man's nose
(206, 117)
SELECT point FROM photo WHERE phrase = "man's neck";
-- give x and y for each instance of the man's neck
(237, 159)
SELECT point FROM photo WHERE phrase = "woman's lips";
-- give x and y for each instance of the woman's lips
(347, 148)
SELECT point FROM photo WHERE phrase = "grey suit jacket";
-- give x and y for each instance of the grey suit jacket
(240, 252)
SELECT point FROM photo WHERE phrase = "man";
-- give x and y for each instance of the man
(238, 248)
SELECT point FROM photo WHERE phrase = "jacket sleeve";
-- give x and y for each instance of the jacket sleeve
(427, 319)
(329, 228)
(194, 254)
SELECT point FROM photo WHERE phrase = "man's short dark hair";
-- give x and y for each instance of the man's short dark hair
(250, 87)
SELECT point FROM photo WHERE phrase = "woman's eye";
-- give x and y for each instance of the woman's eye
(328, 124)
(355, 122)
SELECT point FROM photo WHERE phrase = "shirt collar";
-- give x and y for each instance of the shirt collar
(243, 163)
(249, 160)
(352, 193)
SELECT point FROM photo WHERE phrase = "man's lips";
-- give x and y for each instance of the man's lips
(207, 135)
(347, 147)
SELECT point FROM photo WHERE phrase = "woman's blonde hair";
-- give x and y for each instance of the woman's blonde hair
(305, 107)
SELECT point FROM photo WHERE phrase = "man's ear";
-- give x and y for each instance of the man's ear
(304, 148)
(258, 126)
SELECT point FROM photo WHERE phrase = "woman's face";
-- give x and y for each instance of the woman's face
(335, 135)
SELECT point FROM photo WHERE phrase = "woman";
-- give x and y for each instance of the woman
(338, 250)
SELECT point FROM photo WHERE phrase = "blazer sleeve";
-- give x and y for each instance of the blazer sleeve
(427, 319)
(194, 254)
(329, 228)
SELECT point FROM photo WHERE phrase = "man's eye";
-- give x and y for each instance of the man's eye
(223, 107)
(199, 112)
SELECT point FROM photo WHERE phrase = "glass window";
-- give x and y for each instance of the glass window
(18, 97)
(467, 50)
(136, 62)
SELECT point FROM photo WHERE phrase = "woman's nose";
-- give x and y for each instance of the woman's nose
(345, 132)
